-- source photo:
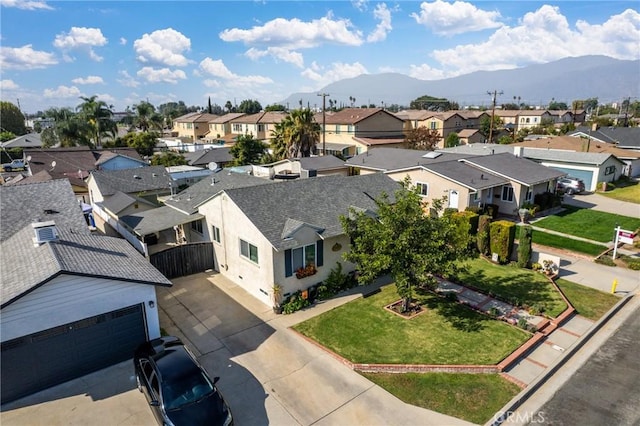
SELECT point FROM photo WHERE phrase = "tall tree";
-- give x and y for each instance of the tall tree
(249, 106)
(168, 159)
(98, 116)
(278, 144)
(146, 117)
(485, 127)
(301, 133)
(404, 241)
(12, 119)
(209, 106)
(69, 129)
(452, 140)
(431, 103)
(143, 142)
(422, 138)
(228, 106)
(247, 150)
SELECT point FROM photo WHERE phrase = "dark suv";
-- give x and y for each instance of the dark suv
(178, 389)
(570, 185)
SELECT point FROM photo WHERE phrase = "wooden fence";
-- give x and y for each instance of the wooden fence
(184, 260)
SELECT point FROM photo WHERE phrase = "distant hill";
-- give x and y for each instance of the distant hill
(565, 80)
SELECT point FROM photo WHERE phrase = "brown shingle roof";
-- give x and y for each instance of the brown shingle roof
(194, 117)
(351, 115)
(570, 143)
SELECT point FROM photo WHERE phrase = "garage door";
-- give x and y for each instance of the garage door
(53, 356)
(585, 175)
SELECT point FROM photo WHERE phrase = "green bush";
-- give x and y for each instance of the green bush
(524, 246)
(482, 236)
(449, 211)
(501, 236)
(547, 200)
(294, 303)
(474, 209)
(491, 210)
(605, 260)
(471, 218)
(631, 262)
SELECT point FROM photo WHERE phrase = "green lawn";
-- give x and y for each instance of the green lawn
(587, 223)
(552, 240)
(528, 287)
(472, 397)
(446, 333)
(629, 193)
(589, 302)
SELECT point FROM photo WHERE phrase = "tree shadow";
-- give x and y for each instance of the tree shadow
(459, 315)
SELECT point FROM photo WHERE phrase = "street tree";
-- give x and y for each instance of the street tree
(422, 138)
(69, 129)
(11, 119)
(98, 117)
(404, 241)
(452, 140)
(247, 150)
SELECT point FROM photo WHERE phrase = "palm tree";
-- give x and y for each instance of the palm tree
(278, 144)
(69, 129)
(300, 132)
(98, 117)
(146, 117)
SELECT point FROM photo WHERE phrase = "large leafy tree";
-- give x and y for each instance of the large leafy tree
(11, 119)
(452, 140)
(404, 241)
(98, 115)
(431, 103)
(143, 142)
(247, 150)
(422, 138)
(168, 159)
(249, 106)
(171, 110)
(486, 128)
(300, 133)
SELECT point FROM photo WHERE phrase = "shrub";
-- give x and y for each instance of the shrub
(474, 209)
(295, 302)
(482, 237)
(605, 260)
(491, 210)
(449, 211)
(536, 266)
(470, 217)
(631, 262)
(336, 281)
(501, 236)
(524, 246)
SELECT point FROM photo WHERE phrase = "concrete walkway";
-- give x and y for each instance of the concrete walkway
(601, 203)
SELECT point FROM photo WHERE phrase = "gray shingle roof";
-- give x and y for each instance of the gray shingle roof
(215, 155)
(467, 175)
(153, 178)
(157, 220)
(319, 202)
(515, 168)
(324, 162)
(26, 266)
(385, 159)
(191, 198)
(120, 201)
(594, 158)
(624, 137)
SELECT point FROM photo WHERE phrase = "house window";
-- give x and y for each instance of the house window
(196, 225)
(609, 170)
(423, 188)
(215, 232)
(535, 119)
(249, 251)
(303, 256)
(189, 125)
(261, 127)
(476, 196)
(529, 195)
(433, 125)
(527, 119)
(338, 130)
(350, 128)
(507, 193)
(237, 127)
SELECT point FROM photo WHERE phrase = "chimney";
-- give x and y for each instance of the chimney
(517, 151)
(44, 231)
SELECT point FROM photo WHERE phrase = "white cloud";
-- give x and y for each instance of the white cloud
(163, 47)
(382, 13)
(8, 85)
(543, 36)
(127, 80)
(63, 92)
(455, 18)
(25, 58)
(361, 5)
(26, 4)
(336, 71)
(425, 72)
(81, 38)
(217, 68)
(296, 34)
(162, 75)
(123, 41)
(279, 53)
(108, 99)
(92, 79)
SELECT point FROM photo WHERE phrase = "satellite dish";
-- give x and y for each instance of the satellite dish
(53, 164)
(213, 166)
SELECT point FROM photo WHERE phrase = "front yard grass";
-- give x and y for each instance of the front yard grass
(472, 397)
(552, 240)
(589, 302)
(629, 193)
(514, 285)
(587, 223)
(362, 331)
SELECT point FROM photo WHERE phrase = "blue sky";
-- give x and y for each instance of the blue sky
(53, 52)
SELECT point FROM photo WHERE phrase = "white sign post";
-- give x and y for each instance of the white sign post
(622, 236)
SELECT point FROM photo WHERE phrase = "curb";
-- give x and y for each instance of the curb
(522, 397)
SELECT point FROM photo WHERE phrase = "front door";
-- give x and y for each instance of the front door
(453, 199)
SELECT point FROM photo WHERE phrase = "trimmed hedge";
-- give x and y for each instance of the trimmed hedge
(502, 233)
(524, 246)
(471, 218)
(482, 237)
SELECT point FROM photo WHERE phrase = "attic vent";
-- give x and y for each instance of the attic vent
(44, 231)
(136, 177)
(432, 154)
(50, 211)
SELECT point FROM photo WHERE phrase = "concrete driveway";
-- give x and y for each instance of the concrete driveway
(269, 375)
(601, 203)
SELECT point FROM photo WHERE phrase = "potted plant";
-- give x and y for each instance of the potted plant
(276, 293)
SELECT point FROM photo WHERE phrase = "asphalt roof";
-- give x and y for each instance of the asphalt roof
(31, 140)
(323, 162)
(386, 159)
(317, 202)
(191, 198)
(594, 158)
(213, 155)
(515, 168)
(467, 175)
(156, 220)
(26, 266)
(140, 179)
(62, 162)
(627, 137)
(120, 201)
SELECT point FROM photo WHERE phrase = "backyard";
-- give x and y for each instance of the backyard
(628, 191)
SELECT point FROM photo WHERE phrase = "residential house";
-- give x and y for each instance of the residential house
(304, 167)
(118, 159)
(260, 125)
(221, 156)
(385, 159)
(445, 123)
(31, 140)
(631, 158)
(263, 234)
(468, 136)
(220, 131)
(352, 131)
(71, 302)
(622, 137)
(192, 126)
(523, 118)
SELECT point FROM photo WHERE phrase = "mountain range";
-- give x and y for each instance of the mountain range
(565, 80)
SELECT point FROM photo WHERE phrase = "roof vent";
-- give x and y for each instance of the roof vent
(44, 231)
(432, 154)
(136, 177)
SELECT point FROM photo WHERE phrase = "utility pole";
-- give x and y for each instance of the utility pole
(324, 122)
(493, 111)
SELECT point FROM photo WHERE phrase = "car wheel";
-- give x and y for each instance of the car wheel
(569, 191)
(138, 383)
(7, 169)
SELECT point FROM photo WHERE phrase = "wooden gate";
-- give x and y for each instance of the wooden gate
(184, 260)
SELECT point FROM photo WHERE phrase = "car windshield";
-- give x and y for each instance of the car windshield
(186, 389)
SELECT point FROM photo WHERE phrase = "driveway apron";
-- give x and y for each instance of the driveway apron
(269, 375)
